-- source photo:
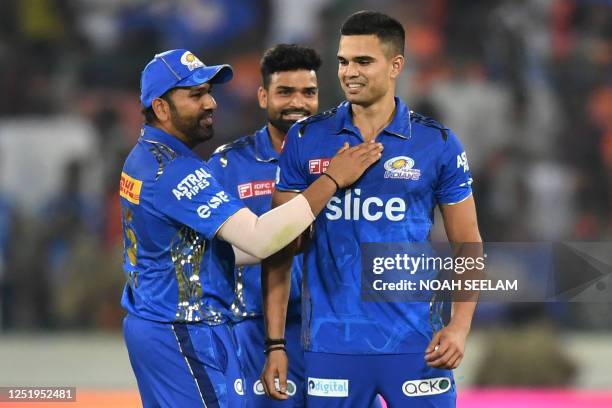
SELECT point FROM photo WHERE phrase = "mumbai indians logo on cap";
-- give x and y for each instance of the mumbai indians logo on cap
(401, 167)
(191, 61)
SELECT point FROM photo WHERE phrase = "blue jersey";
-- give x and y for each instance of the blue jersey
(172, 207)
(247, 169)
(423, 165)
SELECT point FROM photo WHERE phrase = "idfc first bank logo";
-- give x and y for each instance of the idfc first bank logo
(328, 387)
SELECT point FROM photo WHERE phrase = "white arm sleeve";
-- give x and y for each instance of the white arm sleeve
(242, 258)
(265, 235)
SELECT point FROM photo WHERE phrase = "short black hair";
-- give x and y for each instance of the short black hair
(387, 29)
(150, 118)
(287, 57)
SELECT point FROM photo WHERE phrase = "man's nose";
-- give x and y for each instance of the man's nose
(208, 102)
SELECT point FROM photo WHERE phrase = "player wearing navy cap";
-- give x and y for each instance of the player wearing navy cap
(355, 349)
(180, 287)
(247, 168)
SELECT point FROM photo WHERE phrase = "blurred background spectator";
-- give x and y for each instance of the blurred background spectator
(525, 84)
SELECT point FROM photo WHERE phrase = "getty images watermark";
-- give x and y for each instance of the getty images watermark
(503, 272)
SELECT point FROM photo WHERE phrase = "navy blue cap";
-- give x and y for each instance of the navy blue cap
(178, 68)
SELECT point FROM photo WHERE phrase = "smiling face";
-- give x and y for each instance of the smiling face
(289, 97)
(188, 113)
(366, 71)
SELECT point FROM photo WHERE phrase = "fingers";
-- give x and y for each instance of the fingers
(365, 148)
(274, 379)
(344, 148)
(366, 153)
(454, 361)
(434, 342)
(447, 356)
(442, 361)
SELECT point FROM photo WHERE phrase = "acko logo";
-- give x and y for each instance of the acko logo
(238, 386)
(192, 184)
(353, 207)
(258, 388)
(204, 210)
(429, 386)
(328, 387)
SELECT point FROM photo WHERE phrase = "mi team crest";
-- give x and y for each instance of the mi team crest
(191, 61)
(401, 167)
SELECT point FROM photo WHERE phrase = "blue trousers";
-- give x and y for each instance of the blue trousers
(353, 381)
(184, 365)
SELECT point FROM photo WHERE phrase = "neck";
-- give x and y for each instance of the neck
(371, 119)
(277, 137)
(169, 129)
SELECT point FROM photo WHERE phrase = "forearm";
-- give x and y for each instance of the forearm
(276, 285)
(462, 313)
(244, 258)
(462, 230)
(265, 235)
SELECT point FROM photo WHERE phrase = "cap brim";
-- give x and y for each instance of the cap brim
(215, 74)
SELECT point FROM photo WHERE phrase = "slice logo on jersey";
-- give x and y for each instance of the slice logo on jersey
(401, 167)
(255, 189)
(129, 188)
(204, 210)
(318, 166)
(328, 387)
(191, 185)
(191, 61)
(239, 386)
(428, 386)
(258, 388)
(352, 206)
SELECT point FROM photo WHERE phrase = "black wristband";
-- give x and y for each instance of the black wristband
(274, 342)
(334, 180)
(274, 348)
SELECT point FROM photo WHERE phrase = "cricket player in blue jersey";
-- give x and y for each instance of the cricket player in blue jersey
(247, 169)
(354, 349)
(179, 286)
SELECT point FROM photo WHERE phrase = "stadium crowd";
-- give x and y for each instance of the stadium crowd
(526, 85)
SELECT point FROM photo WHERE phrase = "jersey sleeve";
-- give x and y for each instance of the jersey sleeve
(188, 193)
(455, 179)
(290, 174)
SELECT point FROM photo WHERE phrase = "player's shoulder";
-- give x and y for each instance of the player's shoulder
(428, 126)
(321, 122)
(242, 146)
(241, 143)
(149, 159)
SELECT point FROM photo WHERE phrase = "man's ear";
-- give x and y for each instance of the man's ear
(161, 109)
(262, 97)
(397, 64)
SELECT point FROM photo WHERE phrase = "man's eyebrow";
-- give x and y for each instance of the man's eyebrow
(285, 87)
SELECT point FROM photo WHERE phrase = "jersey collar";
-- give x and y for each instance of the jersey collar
(264, 151)
(399, 126)
(153, 134)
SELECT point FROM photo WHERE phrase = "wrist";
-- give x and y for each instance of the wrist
(463, 325)
(332, 179)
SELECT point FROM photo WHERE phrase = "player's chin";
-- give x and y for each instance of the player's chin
(203, 133)
(355, 98)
